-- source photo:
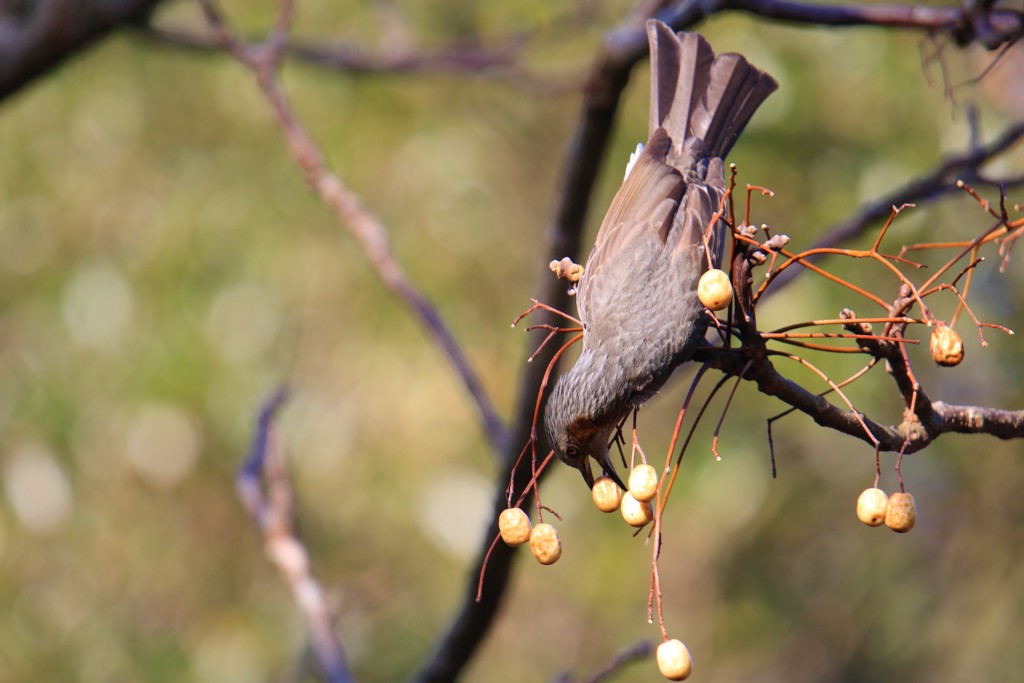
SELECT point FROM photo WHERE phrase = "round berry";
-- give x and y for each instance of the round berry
(902, 513)
(607, 494)
(514, 526)
(545, 544)
(946, 345)
(643, 482)
(871, 507)
(636, 513)
(714, 289)
(674, 661)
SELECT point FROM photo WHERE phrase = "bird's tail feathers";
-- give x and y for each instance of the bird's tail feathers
(696, 94)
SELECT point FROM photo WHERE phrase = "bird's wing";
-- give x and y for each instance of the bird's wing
(642, 212)
(693, 228)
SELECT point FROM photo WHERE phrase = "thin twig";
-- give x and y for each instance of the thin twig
(271, 508)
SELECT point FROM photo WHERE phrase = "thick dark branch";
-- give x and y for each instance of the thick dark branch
(54, 30)
(965, 23)
(923, 420)
(913, 434)
(619, 53)
(1004, 424)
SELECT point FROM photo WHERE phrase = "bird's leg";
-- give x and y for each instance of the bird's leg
(636, 444)
(619, 440)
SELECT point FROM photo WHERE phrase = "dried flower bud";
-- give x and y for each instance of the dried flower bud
(567, 269)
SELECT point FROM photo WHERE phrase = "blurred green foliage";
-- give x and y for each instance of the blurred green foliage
(163, 267)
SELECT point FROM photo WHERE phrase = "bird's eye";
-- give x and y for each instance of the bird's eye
(572, 451)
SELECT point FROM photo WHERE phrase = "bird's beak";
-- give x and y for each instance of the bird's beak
(588, 476)
(606, 467)
(609, 469)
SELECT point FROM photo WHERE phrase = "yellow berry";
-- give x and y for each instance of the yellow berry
(545, 544)
(674, 661)
(902, 513)
(714, 289)
(871, 507)
(636, 513)
(607, 494)
(514, 526)
(946, 345)
(643, 482)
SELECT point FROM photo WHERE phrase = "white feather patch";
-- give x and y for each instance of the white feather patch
(632, 159)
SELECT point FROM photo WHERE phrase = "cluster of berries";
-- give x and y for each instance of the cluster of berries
(674, 661)
(898, 511)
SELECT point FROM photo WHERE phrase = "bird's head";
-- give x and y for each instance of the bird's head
(577, 437)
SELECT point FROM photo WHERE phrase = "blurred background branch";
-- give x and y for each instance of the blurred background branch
(501, 63)
(264, 60)
(940, 181)
(36, 37)
(271, 507)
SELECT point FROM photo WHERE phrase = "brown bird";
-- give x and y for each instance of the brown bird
(637, 297)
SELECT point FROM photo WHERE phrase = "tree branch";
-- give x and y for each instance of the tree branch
(909, 436)
(923, 420)
(263, 60)
(272, 511)
(502, 63)
(54, 30)
(966, 23)
(939, 182)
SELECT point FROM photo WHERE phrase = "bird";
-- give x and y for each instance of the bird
(637, 297)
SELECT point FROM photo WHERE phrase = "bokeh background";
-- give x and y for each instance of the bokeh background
(163, 267)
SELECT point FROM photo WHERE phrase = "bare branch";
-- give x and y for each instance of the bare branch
(913, 434)
(641, 650)
(966, 23)
(364, 226)
(272, 511)
(923, 421)
(503, 62)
